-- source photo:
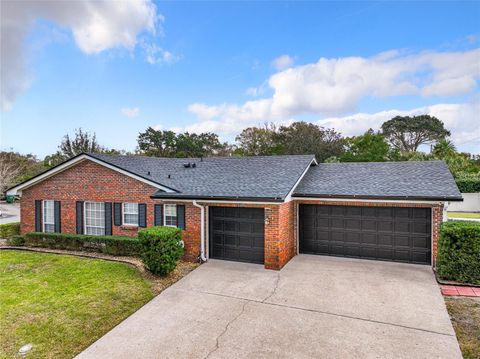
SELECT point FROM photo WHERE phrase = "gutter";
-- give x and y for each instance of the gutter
(202, 230)
(173, 196)
(401, 198)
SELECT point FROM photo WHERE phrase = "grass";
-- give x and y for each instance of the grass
(465, 315)
(463, 215)
(61, 304)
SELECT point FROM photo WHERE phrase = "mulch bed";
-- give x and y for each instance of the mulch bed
(157, 283)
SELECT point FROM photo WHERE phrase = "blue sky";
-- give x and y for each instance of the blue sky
(223, 66)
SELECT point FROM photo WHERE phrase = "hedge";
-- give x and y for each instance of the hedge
(162, 247)
(459, 252)
(468, 185)
(8, 230)
(115, 245)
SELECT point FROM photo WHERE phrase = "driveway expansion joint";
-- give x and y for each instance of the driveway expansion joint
(319, 312)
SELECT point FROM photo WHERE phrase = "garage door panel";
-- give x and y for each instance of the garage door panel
(353, 211)
(369, 212)
(369, 225)
(237, 233)
(402, 241)
(385, 226)
(374, 232)
(402, 227)
(353, 224)
(354, 237)
(323, 222)
(369, 238)
(337, 211)
(385, 240)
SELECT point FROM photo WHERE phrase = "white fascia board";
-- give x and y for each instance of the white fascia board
(17, 189)
(366, 200)
(288, 198)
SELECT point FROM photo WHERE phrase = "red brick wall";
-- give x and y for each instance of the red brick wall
(89, 181)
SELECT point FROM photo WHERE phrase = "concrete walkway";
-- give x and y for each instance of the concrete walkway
(315, 307)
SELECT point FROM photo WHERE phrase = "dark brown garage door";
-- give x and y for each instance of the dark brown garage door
(237, 234)
(385, 233)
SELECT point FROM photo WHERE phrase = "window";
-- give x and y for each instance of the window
(95, 218)
(130, 214)
(48, 217)
(170, 215)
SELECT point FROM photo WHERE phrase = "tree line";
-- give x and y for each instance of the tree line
(398, 139)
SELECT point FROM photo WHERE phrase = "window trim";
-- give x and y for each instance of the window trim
(85, 219)
(44, 222)
(165, 215)
(124, 212)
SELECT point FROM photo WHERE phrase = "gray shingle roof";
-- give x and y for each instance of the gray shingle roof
(395, 180)
(262, 177)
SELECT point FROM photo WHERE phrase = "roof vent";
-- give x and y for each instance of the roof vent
(194, 165)
(169, 176)
(148, 173)
(187, 165)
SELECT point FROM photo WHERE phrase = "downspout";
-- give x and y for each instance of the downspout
(202, 231)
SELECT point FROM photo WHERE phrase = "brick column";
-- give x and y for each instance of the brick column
(437, 218)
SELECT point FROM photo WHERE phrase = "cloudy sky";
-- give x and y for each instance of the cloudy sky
(115, 68)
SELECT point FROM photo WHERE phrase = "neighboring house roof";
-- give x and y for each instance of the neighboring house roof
(425, 180)
(257, 178)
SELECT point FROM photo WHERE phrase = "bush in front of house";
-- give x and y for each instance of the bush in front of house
(114, 245)
(8, 230)
(458, 256)
(162, 247)
(16, 240)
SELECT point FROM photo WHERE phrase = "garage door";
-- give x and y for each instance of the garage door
(384, 233)
(237, 234)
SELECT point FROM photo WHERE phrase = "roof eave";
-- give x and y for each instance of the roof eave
(219, 198)
(404, 198)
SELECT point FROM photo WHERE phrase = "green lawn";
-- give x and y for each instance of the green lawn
(61, 304)
(463, 215)
(465, 315)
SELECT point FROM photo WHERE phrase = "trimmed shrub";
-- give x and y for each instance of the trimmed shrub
(115, 245)
(16, 240)
(9, 229)
(468, 185)
(162, 247)
(459, 252)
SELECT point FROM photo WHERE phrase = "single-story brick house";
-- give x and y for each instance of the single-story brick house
(262, 209)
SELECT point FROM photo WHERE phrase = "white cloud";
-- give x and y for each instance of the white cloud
(96, 26)
(157, 55)
(130, 112)
(283, 62)
(463, 120)
(336, 86)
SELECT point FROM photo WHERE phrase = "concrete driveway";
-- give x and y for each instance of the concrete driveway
(10, 212)
(314, 307)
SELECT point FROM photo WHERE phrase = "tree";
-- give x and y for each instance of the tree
(257, 141)
(369, 147)
(308, 138)
(408, 133)
(202, 145)
(82, 142)
(16, 168)
(9, 170)
(444, 148)
(159, 143)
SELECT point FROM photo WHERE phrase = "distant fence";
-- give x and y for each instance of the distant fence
(471, 203)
